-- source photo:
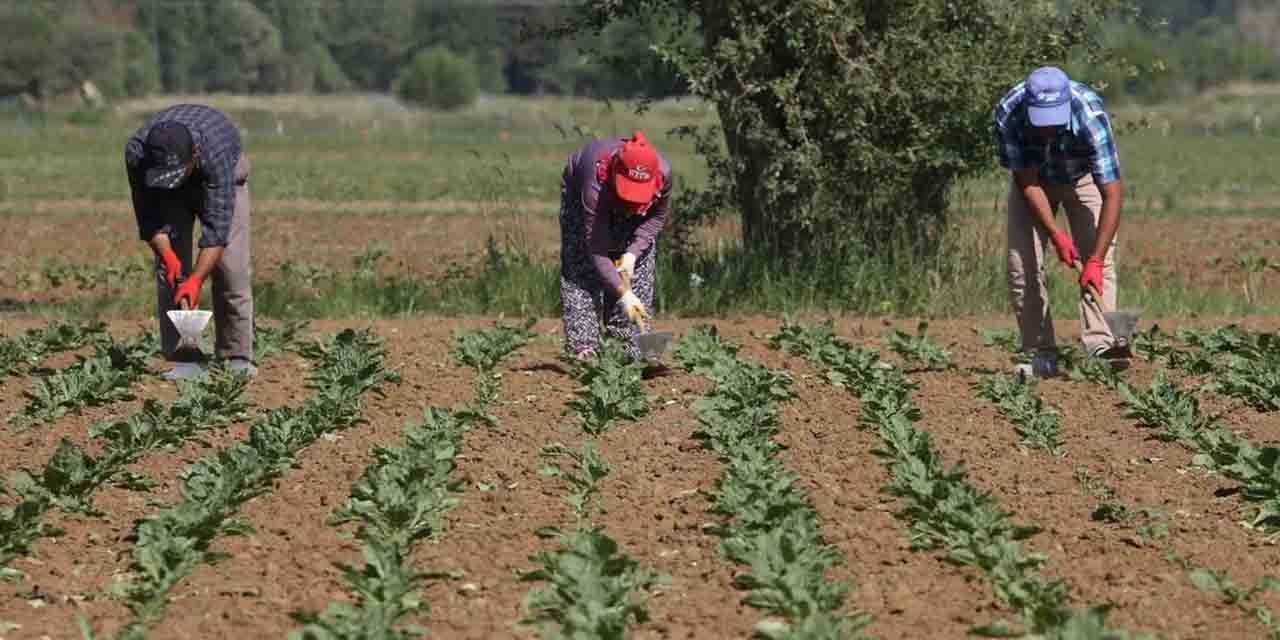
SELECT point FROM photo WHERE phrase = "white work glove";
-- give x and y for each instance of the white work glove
(634, 308)
(627, 265)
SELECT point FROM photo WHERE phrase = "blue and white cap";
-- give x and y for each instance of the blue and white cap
(1048, 97)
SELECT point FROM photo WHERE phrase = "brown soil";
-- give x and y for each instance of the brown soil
(655, 507)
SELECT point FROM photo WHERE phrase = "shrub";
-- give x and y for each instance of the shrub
(440, 79)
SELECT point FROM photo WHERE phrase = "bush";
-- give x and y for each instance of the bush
(439, 79)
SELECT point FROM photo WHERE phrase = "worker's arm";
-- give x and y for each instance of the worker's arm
(1028, 181)
(1109, 222)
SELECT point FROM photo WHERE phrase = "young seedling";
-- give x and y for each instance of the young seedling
(610, 388)
(482, 351)
(1016, 399)
(583, 472)
(1096, 370)
(1247, 600)
(102, 379)
(1176, 413)
(919, 349)
(1004, 339)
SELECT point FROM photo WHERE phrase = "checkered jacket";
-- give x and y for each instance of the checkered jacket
(210, 191)
(1085, 145)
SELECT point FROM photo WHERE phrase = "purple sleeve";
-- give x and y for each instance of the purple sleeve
(598, 244)
(654, 221)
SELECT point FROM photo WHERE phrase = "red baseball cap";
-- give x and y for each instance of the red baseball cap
(635, 171)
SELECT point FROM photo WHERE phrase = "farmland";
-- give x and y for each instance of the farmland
(415, 455)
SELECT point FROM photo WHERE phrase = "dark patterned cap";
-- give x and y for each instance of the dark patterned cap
(169, 149)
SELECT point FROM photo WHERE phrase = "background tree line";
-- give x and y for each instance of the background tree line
(138, 47)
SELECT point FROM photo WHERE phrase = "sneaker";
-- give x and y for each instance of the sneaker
(1042, 365)
(1112, 352)
(183, 371)
(242, 366)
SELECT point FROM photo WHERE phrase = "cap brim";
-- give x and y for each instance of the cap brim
(1050, 116)
(165, 178)
(630, 191)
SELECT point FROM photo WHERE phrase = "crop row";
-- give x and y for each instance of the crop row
(1016, 399)
(22, 353)
(943, 509)
(101, 379)
(72, 475)
(173, 542)
(1243, 364)
(769, 527)
(402, 498)
(589, 587)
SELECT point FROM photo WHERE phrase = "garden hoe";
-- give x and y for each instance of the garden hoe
(652, 344)
(190, 323)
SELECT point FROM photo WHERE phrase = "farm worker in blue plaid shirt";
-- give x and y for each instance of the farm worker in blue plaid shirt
(1055, 138)
(185, 163)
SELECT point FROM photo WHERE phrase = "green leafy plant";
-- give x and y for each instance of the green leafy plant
(1247, 599)
(592, 590)
(102, 379)
(770, 526)
(1004, 339)
(583, 474)
(919, 348)
(400, 500)
(1257, 382)
(1175, 412)
(174, 541)
(1095, 370)
(21, 353)
(482, 351)
(1016, 399)
(610, 388)
(270, 340)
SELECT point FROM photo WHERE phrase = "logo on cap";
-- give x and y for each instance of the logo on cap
(639, 173)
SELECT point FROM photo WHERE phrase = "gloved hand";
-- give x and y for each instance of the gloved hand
(627, 265)
(190, 290)
(634, 308)
(1066, 248)
(1091, 274)
(172, 267)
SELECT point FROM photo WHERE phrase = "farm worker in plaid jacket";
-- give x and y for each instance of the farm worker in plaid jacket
(615, 196)
(1055, 138)
(187, 163)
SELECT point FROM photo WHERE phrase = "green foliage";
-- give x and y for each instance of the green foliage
(1249, 600)
(1004, 339)
(482, 351)
(1166, 407)
(1096, 370)
(1017, 400)
(771, 528)
(610, 388)
(592, 589)
(173, 542)
(71, 476)
(270, 340)
(21, 353)
(583, 475)
(1257, 382)
(401, 499)
(945, 511)
(102, 379)
(919, 349)
(439, 79)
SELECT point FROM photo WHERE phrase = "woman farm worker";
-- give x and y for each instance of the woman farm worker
(615, 196)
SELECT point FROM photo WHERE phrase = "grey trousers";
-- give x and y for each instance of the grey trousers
(1028, 293)
(232, 280)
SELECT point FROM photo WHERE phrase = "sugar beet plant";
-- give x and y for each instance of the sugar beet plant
(174, 541)
(400, 500)
(588, 587)
(610, 388)
(1177, 414)
(946, 512)
(102, 379)
(72, 475)
(1017, 400)
(21, 353)
(482, 351)
(769, 527)
(919, 349)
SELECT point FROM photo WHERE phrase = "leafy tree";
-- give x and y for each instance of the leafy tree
(845, 125)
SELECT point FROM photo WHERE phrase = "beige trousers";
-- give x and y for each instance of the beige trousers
(232, 280)
(1029, 248)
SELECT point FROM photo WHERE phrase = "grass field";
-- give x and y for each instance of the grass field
(415, 458)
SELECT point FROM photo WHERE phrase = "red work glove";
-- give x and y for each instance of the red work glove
(1066, 248)
(172, 267)
(189, 289)
(1091, 274)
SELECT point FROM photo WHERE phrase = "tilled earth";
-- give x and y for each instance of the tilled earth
(655, 503)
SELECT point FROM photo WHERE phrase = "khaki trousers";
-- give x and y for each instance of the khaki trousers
(232, 280)
(1029, 249)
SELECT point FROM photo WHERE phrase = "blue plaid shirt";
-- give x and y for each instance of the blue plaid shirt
(1085, 145)
(210, 191)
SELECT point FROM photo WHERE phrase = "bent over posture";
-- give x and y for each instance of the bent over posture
(615, 196)
(187, 162)
(1055, 138)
